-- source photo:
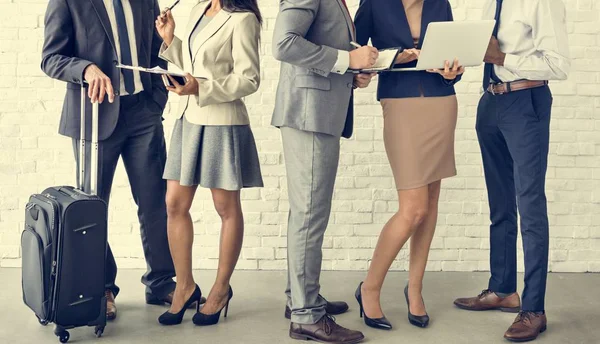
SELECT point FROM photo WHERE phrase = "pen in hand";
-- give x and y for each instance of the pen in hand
(174, 4)
(363, 57)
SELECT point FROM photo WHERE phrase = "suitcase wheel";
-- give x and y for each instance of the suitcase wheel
(42, 322)
(99, 331)
(63, 336)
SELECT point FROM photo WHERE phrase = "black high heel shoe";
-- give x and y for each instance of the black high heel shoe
(416, 320)
(168, 318)
(379, 323)
(201, 319)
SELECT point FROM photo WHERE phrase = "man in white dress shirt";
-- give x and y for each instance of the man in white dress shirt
(84, 40)
(529, 47)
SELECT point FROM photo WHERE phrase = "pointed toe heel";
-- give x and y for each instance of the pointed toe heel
(415, 320)
(378, 323)
(201, 319)
(169, 319)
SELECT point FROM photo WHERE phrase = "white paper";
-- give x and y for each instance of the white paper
(153, 70)
(384, 61)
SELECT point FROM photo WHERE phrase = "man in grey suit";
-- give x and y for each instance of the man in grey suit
(84, 40)
(314, 109)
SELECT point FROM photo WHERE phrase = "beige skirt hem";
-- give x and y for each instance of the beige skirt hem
(425, 183)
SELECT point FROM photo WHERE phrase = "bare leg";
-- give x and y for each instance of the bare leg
(229, 208)
(420, 243)
(181, 237)
(411, 214)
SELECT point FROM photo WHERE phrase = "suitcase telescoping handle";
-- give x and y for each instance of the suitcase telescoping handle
(82, 146)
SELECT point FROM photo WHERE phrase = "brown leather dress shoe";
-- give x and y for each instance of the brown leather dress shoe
(325, 331)
(527, 326)
(111, 306)
(488, 300)
(333, 308)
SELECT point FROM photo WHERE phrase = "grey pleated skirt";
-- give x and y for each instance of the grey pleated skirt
(216, 157)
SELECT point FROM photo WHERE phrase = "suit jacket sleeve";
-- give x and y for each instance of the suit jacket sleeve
(245, 76)
(58, 60)
(450, 17)
(363, 21)
(173, 53)
(159, 92)
(289, 45)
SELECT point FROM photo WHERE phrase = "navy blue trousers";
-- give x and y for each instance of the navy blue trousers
(513, 131)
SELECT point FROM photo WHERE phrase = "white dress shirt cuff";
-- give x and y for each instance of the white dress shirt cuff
(342, 63)
(511, 62)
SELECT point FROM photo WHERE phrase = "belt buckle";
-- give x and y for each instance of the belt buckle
(497, 93)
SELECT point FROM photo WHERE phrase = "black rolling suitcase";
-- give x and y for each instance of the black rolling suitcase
(64, 247)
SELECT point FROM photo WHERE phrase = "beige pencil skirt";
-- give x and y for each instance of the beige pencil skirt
(419, 139)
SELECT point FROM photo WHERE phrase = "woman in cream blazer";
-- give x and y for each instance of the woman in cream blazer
(212, 144)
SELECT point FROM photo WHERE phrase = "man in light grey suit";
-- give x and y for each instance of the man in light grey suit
(314, 109)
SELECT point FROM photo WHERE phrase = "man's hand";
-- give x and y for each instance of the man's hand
(408, 55)
(449, 73)
(363, 80)
(165, 25)
(189, 88)
(99, 84)
(363, 57)
(493, 54)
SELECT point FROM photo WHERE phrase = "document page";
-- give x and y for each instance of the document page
(153, 70)
(385, 60)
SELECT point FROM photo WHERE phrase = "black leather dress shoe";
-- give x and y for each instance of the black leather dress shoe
(332, 308)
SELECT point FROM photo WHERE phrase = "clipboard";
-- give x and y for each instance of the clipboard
(385, 62)
(179, 77)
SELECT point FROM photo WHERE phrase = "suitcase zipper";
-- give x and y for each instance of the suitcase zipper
(53, 271)
(51, 200)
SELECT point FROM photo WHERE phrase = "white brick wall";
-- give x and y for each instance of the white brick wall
(33, 156)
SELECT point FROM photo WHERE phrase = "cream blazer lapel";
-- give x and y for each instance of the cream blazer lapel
(210, 30)
(195, 16)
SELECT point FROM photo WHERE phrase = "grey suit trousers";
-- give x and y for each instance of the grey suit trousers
(311, 161)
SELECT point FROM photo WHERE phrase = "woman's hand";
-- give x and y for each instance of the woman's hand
(449, 73)
(363, 80)
(408, 55)
(189, 88)
(165, 25)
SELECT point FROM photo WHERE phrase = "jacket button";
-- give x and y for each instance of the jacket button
(116, 62)
(349, 85)
(116, 92)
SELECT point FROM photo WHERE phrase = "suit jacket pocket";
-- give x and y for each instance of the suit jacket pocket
(313, 81)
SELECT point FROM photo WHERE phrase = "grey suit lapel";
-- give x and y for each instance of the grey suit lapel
(100, 10)
(349, 21)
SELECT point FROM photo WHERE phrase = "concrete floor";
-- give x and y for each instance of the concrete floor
(256, 312)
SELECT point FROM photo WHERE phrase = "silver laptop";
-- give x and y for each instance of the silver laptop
(445, 41)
